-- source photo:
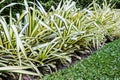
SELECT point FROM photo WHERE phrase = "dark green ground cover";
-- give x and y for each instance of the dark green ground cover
(103, 64)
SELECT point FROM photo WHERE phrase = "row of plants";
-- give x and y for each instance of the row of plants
(48, 3)
(35, 41)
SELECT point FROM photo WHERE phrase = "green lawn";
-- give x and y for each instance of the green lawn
(103, 64)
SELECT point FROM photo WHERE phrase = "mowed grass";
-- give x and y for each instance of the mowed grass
(103, 64)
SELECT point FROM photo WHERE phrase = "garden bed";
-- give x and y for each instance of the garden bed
(36, 42)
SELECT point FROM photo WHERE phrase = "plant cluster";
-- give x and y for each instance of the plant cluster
(33, 42)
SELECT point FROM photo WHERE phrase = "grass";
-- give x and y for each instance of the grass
(103, 64)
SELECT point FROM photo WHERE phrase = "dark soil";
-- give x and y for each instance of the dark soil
(74, 60)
